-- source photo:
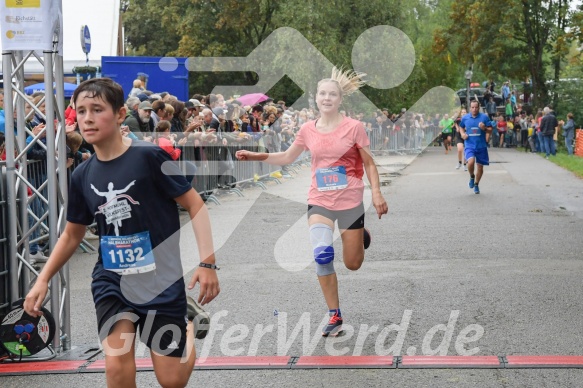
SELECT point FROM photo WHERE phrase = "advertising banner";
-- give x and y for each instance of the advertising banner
(30, 24)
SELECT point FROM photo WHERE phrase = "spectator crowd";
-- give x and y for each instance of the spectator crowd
(212, 128)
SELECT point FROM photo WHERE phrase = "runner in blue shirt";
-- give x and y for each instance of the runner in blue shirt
(473, 128)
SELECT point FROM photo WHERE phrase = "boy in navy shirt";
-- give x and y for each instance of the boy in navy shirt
(131, 189)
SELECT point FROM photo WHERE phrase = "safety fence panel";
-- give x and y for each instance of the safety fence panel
(402, 140)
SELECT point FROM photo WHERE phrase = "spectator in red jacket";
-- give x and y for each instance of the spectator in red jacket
(71, 114)
(165, 140)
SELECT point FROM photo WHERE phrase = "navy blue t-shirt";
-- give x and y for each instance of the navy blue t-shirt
(133, 195)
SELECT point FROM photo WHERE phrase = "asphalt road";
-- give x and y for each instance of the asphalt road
(448, 273)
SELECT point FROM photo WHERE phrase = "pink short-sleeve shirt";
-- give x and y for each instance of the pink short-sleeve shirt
(337, 148)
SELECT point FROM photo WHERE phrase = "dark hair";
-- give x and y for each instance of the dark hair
(230, 110)
(257, 108)
(157, 105)
(104, 88)
(178, 107)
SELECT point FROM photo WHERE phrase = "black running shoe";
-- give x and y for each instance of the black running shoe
(367, 238)
(200, 318)
(334, 326)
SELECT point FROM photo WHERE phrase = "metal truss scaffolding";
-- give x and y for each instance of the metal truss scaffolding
(36, 191)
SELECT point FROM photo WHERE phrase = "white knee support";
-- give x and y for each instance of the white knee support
(321, 237)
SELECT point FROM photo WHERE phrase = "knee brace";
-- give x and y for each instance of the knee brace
(321, 237)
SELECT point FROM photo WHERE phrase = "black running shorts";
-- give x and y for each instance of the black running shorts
(444, 135)
(166, 335)
(347, 219)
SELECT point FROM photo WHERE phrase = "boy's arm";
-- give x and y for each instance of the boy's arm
(66, 246)
(207, 277)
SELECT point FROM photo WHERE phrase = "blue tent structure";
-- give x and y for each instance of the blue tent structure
(69, 89)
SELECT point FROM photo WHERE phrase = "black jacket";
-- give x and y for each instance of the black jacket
(548, 124)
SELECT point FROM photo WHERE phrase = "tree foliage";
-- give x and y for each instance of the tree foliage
(515, 39)
(145, 28)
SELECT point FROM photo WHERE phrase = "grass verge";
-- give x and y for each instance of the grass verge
(571, 163)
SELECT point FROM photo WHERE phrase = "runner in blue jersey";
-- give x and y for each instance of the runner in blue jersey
(474, 127)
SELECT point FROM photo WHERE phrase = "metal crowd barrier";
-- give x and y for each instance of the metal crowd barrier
(33, 237)
(214, 176)
(219, 172)
(402, 141)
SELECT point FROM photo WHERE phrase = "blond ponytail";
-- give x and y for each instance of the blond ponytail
(349, 81)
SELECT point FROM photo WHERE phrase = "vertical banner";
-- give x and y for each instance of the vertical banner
(30, 24)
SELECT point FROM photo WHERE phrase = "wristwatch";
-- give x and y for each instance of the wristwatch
(206, 265)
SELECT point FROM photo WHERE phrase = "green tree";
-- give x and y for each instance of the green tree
(514, 38)
(561, 40)
(148, 28)
(231, 28)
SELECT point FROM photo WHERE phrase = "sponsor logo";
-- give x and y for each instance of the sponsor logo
(22, 3)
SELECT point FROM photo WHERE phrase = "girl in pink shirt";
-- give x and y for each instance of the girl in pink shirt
(340, 156)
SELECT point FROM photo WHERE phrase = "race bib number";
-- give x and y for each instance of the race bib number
(331, 178)
(128, 254)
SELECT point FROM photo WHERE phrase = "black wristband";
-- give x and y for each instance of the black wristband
(211, 266)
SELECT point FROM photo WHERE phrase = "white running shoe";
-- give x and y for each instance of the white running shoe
(459, 165)
(38, 257)
(465, 167)
(90, 236)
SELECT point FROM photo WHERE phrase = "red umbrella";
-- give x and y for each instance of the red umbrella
(252, 98)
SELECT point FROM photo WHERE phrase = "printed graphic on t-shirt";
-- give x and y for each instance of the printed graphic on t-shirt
(123, 254)
(475, 131)
(116, 208)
